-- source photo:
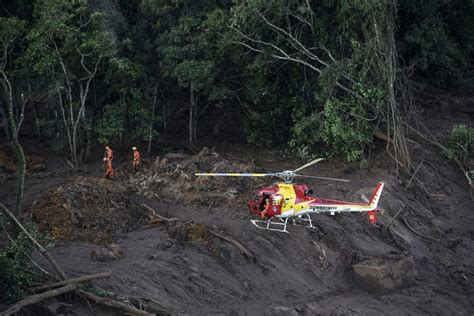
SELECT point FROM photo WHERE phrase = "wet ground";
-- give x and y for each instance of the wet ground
(174, 270)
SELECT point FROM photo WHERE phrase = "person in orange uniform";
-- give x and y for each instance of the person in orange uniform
(109, 170)
(108, 161)
(266, 208)
(109, 154)
(136, 158)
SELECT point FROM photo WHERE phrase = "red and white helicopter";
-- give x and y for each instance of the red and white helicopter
(285, 201)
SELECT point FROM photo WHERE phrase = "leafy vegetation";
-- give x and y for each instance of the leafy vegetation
(315, 76)
(15, 269)
(460, 146)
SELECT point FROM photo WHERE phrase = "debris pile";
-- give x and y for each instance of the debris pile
(172, 178)
(89, 209)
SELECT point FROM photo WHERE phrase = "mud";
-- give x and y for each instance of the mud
(178, 267)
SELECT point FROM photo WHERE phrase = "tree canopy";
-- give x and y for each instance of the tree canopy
(316, 76)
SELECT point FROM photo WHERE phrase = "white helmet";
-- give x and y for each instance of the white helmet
(134, 148)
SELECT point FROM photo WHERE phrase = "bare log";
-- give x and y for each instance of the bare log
(84, 278)
(414, 174)
(394, 217)
(471, 185)
(154, 218)
(247, 253)
(380, 135)
(114, 304)
(38, 298)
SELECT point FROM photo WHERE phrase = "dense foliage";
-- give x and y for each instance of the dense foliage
(15, 269)
(317, 76)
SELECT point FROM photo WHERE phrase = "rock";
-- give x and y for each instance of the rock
(385, 273)
(110, 253)
(165, 245)
(283, 310)
(178, 232)
(153, 257)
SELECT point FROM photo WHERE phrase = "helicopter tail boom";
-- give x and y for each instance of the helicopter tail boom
(374, 199)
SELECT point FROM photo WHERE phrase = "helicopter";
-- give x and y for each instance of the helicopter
(286, 202)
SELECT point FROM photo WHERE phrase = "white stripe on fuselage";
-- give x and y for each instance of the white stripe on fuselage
(330, 208)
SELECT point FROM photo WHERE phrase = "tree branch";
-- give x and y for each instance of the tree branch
(43, 251)
(38, 298)
(85, 278)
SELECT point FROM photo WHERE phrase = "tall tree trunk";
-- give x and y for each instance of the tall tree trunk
(16, 145)
(88, 144)
(65, 120)
(192, 108)
(150, 135)
(165, 114)
(37, 123)
(195, 119)
(5, 124)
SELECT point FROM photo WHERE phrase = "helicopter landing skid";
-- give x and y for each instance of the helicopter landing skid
(280, 226)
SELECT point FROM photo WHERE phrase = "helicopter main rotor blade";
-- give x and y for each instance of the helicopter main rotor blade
(323, 178)
(234, 174)
(309, 164)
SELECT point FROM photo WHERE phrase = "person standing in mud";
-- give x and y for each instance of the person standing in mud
(136, 158)
(109, 170)
(108, 162)
(109, 154)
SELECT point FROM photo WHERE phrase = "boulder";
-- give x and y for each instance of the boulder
(110, 253)
(385, 273)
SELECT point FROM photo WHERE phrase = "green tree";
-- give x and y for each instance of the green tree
(68, 42)
(12, 31)
(348, 80)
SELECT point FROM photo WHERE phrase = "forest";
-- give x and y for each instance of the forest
(378, 87)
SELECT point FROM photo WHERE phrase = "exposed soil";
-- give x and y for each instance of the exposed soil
(180, 267)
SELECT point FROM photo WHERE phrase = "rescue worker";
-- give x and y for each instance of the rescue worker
(109, 154)
(266, 208)
(136, 158)
(109, 170)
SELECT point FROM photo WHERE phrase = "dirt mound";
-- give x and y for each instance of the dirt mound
(173, 179)
(87, 209)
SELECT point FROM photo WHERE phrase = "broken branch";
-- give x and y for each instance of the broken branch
(394, 217)
(84, 278)
(38, 298)
(114, 304)
(43, 251)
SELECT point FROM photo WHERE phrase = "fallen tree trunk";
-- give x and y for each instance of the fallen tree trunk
(114, 304)
(68, 288)
(38, 298)
(84, 278)
(43, 251)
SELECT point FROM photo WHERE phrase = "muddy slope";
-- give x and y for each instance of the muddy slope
(308, 271)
